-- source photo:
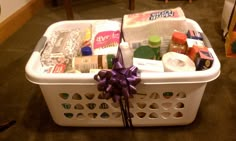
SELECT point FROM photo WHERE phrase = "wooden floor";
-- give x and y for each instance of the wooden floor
(23, 101)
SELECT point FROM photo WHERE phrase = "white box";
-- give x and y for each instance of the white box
(163, 98)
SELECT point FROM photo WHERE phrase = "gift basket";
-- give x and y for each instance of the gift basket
(146, 69)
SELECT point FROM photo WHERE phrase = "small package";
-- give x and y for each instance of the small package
(194, 50)
(61, 46)
(204, 60)
(191, 42)
(106, 37)
(193, 34)
(201, 57)
(59, 68)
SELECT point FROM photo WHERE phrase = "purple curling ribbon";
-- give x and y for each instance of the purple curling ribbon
(119, 84)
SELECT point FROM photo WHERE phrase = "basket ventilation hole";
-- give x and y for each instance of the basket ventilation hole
(80, 116)
(131, 115)
(76, 96)
(100, 96)
(167, 95)
(91, 106)
(66, 105)
(68, 115)
(181, 95)
(154, 106)
(154, 95)
(79, 107)
(64, 95)
(141, 105)
(103, 106)
(115, 105)
(153, 115)
(89, 96)
(116, 114)
(140, 95)
(165, 115)
(180, 105)
(166, 105)
(141, 114)
(178, 115)
(105, 115)
(92, 115)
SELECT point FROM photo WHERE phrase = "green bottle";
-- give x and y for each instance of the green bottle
(154, 42)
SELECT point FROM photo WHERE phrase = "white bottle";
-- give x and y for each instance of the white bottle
(127, 54)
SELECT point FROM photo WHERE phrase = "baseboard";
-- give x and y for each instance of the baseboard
(19, 18)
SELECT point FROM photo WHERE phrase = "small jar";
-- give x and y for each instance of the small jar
(144, 52)
(85, 63)
(154, 42)
(178, 43)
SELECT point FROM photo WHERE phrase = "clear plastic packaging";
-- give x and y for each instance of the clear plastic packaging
(62, 46)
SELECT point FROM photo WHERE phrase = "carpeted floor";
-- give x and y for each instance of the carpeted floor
(23, 101)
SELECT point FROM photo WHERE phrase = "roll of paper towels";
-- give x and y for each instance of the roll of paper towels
(176, 62)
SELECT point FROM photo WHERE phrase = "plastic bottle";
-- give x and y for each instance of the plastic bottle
(154, 42)
(85, 63)
(127, 54)
(86, 51)
(178, 43)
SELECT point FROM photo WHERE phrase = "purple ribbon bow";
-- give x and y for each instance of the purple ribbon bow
(117, 83)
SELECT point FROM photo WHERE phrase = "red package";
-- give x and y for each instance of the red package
(193, 51)
(59, 68)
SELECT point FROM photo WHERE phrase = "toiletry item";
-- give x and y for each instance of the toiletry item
(85, 63)
(178, 43)
(138, 26)
(147, 65)
(201, 56)
(193, 51)
(144, 52)
(87, 36)
(154, 42)
(204, 60)
(127, 54)
(106, 37)
(193, 34)
(176, 62)
(86, 51)
(164, 47)
(62, 46)
(59, 68)
(191, 42)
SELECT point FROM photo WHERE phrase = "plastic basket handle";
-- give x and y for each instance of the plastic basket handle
(40, 45)
(206, 41)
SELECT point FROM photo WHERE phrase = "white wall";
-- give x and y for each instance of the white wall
(9, 7)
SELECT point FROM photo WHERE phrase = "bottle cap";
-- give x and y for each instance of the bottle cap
(144, 52)
(179, 38)
(86, 51)
(109, 60)
(154, 41)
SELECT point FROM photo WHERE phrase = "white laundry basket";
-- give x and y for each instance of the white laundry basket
(162, 99)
